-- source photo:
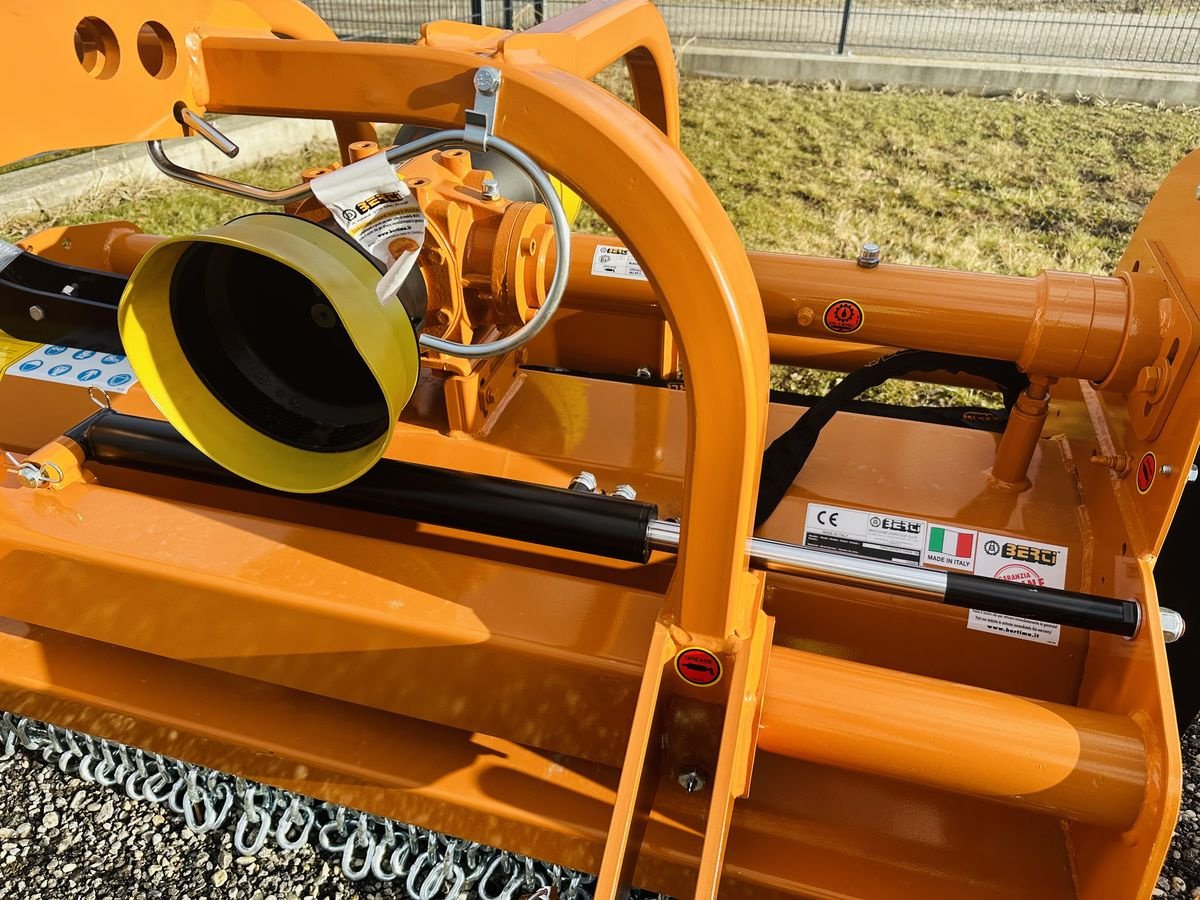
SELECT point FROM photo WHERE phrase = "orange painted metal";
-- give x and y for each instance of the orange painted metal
(1022, 432)
(1056, 324)
(1081, 765)
(860, 744)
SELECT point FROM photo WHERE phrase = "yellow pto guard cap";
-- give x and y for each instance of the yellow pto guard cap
(263, 342)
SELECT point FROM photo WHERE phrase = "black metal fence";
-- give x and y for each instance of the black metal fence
(1157, 34)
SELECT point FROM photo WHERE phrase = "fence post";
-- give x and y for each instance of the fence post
(845, 27)
(477, 12)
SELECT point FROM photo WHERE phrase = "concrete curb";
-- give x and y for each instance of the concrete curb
(59, 183)
(976, 77)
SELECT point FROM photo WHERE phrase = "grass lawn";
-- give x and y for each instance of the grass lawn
(1008, 185)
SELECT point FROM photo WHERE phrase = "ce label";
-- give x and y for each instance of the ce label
(825, 517)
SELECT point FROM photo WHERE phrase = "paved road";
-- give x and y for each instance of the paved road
(1131, 40)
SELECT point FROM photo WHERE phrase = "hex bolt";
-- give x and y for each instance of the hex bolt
(491, 189)
(644, 373)
(870, 255)
(584, 482)
(1167, 470)
(691, 780)
(37, 313)
(1193, 473)
(1148, 380)
(487, 80)
(624, 492)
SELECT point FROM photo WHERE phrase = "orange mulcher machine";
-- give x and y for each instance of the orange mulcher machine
(399, 519)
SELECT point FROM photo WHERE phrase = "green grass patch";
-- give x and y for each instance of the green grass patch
(1009, 185)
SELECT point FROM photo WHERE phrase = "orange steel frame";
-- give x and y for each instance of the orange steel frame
(860, 744)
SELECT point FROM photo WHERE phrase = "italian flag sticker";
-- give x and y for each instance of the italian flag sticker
(951, 548)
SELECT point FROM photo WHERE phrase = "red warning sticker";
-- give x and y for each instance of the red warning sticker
(698, 666)
(1146, 471)
(843, 317)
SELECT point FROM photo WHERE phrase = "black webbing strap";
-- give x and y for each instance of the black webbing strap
(790, 451)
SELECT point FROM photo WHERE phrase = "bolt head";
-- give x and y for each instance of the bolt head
(584, 482)
(29, 475)
(37, 313)
(1193, 473)
(870, 255)
(487, 80)
(691, 780)
(625, 492)
(1148, 380)
(491, 189)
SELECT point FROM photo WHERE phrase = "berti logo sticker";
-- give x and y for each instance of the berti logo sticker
(1026, 562)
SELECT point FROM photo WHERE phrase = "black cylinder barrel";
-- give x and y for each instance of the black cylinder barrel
(1121, 617)
(552, 517)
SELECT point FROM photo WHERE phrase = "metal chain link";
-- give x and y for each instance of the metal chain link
(430, 865)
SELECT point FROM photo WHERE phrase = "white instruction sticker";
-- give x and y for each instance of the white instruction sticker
(81, 368)
(1013, 626)
(894, 539)
(931, 545)
(372, 205)
(616, 262)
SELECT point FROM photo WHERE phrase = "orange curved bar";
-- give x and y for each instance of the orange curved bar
(601, 32)
(1082, 765)
(689, 248)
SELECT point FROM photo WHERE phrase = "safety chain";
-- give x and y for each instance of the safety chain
(430, 865)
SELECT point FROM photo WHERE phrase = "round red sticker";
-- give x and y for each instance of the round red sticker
(698, 666)
(1146, 471)
(844, 317)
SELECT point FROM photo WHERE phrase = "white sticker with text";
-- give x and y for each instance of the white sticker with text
(1014, 626)
(931, 545)
(872, 535)
(616, 262)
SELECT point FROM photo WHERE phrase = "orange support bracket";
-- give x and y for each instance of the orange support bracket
(583, 41)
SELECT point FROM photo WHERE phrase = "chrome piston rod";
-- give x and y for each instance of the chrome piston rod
(1122, 617)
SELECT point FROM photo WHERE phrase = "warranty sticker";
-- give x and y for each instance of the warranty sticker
(1025, 562)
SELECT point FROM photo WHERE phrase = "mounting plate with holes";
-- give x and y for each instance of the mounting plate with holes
(1159, 384)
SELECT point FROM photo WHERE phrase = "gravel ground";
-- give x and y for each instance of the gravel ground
(1181, 874)
(63, 839)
